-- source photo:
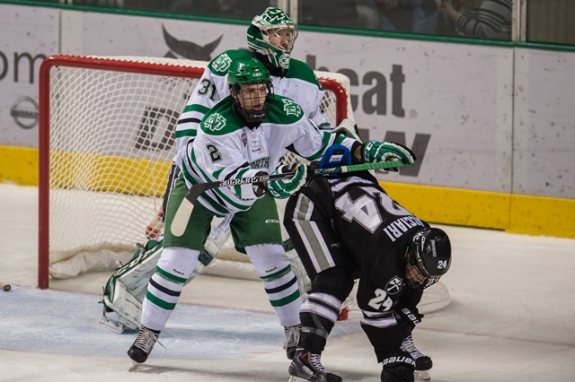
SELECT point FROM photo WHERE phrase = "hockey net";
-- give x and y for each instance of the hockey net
(106, 144)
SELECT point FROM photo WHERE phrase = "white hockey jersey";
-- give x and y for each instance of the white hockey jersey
(299, 84)
(226, 149)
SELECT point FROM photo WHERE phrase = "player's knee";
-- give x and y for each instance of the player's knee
(268, 259)
(178, 261)
(336, 281)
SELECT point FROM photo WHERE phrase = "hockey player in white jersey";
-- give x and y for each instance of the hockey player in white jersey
(243, 135)
(271, 37)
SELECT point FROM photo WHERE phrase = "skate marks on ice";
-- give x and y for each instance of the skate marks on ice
(67, 323)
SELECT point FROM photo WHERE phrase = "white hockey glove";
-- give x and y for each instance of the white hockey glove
(284, 188)
(375, 151)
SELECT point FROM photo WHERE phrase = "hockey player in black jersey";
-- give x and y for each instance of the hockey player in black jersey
(347, 227)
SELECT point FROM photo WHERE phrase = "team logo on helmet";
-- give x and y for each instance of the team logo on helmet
(215, 122)
(272, 16)
(292, 108)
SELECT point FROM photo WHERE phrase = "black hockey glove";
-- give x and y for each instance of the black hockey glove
(409, 315)
(398, 366)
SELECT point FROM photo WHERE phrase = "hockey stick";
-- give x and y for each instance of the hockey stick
(184, 211)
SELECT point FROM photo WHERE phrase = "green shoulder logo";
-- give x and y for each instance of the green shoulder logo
(214, 122)
(222, 63)
(292, 108)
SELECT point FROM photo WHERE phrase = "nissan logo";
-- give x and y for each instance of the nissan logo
(25, 112)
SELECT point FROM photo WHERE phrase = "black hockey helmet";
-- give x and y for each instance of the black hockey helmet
(430, 251)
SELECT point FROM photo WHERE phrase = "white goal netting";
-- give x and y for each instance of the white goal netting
(106, 144)
(107, 141)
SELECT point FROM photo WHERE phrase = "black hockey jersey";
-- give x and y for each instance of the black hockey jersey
(374, 229)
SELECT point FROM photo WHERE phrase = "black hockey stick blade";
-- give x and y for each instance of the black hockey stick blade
(184, 211)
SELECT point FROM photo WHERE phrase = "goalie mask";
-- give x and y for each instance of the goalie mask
(430, 253)
(250, 89)
(272, 34)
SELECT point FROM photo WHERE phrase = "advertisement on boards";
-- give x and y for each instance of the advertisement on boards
(28, 36)
(450, 103)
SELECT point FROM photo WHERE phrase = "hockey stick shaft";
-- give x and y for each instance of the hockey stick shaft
(184, 211)
(196, 190)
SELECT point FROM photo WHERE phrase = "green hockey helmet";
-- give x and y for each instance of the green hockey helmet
(272, 34)
(246, 72)
(252, 102)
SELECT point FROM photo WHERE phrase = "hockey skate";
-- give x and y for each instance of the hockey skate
(291, 339)
(307, 367)
(422, 362)
(142, 347)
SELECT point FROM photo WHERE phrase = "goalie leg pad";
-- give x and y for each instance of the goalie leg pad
(125, 289)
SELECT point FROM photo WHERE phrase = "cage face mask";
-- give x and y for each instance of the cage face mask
(251, 89)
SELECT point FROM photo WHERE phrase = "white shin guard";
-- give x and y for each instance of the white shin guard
(174, 268)
(280, 282)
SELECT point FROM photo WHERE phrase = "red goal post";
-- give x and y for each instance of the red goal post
(105, 145)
